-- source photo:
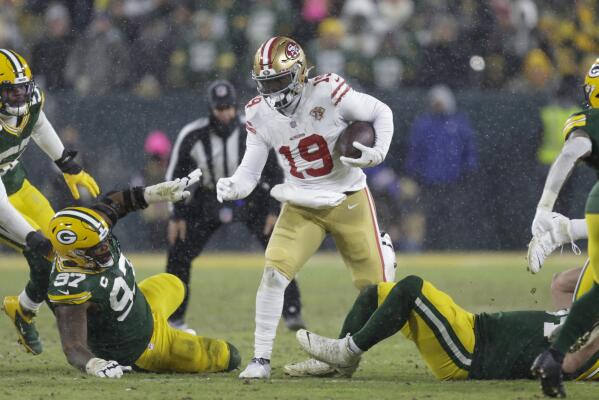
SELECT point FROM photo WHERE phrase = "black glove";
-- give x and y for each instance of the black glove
(38, 243)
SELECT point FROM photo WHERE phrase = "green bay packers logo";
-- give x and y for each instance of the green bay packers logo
(66, 236)
(594, 71)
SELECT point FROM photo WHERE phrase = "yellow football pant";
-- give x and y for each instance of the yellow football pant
(172, 350)
(34, 207)
(442, 331)
(593, 228)
(299, 232)
(585, 280)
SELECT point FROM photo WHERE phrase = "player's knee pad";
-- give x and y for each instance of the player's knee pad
(234, 358)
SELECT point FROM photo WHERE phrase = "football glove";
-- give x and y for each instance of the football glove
(171, 190)
(226, 189)
(371, 156)
(105, 369)
(74, 175)
(81, 179)
(318, 199)
(542, 221)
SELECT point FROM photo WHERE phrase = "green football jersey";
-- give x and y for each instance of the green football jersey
(588, 121)
(13, 143)
(508, 342)
(120, 326)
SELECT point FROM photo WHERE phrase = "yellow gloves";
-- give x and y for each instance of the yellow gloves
(81, 179)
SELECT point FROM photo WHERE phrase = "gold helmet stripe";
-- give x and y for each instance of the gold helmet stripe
(18, 68)
(266, 53)
(85, 217)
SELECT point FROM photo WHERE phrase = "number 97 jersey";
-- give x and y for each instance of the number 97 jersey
(119, 323)
(305, 142)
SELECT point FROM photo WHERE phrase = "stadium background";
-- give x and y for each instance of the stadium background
(147, 71)
(114, 71)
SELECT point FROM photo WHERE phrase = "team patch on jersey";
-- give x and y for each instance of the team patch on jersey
(317, 113)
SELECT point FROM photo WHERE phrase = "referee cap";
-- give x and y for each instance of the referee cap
(221, 94)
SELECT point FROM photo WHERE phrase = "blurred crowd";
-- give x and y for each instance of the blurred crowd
(152, 46)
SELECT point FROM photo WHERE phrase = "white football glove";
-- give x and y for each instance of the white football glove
(542, 221)
(317, 199)
(171, 190)
(105, 369)
(226, 190)
(371, 156)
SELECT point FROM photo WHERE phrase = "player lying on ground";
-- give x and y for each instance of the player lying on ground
(108, 324)
(454, 343)
(24, 211)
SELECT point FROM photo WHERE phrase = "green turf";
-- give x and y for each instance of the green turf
(222, 305)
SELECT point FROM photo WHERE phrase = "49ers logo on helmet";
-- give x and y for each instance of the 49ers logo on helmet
(292, 50)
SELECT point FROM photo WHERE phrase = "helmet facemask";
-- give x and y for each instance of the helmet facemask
(99, 256)
(16, 98)
(279, 91)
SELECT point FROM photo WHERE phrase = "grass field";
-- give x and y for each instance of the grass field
(222, 305)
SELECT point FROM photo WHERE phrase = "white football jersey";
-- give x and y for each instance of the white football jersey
(305, 142)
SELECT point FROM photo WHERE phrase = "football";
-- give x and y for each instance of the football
(357, 131)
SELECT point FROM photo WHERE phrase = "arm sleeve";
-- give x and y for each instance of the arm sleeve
(11, 219)
(356, 106)
(180, 165)
(117, 204)
(46, 138)
(248, 173)
(576, 147)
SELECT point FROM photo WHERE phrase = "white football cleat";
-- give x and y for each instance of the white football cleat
(541, 246)
(309, 367)
(258, 368)
(335, 352)
(389, 260)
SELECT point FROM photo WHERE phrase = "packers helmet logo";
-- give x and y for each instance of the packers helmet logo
(66, 236)
(594, 71)
(292, 51)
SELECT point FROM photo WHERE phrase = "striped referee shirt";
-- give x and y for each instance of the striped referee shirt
(206, 144)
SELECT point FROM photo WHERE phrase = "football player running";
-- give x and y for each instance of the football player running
(581, 133)
(107, 323)
(24, 211)
(454, 343)
(302, 119)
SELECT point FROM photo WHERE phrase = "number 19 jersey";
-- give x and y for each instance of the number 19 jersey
(305, 142)
(120, 325)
